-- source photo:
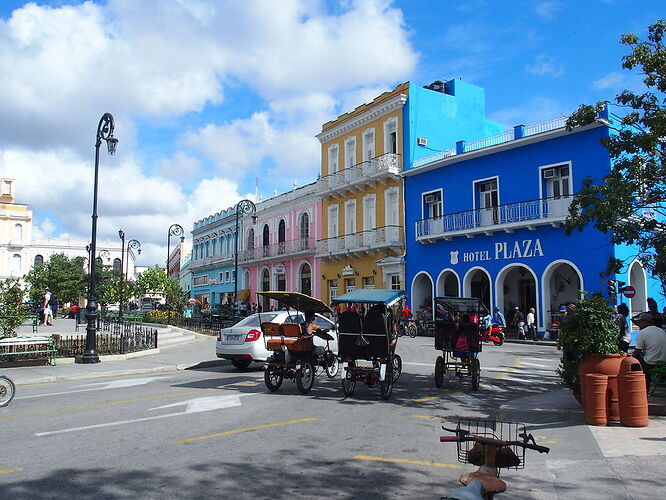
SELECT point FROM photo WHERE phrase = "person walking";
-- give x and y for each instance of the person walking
(46, 306)
(622, 320)
(531, 323)
(519, 322)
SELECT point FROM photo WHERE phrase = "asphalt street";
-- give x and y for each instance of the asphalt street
(219, 432)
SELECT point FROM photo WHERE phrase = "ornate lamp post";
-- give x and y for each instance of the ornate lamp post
(243, 207)
(105, 132)
(122, 284)
(174, 230)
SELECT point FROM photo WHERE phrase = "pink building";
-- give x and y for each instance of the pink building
(279, 247)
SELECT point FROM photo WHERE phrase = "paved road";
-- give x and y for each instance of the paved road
(218, 431)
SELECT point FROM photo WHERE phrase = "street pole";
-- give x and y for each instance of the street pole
(104, 131)
(135, 245)
(174, 230)
(122, 284)
(245, 207)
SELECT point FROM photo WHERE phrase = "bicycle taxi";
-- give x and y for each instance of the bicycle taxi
(457, 335)
(295, 355)
(366, 342)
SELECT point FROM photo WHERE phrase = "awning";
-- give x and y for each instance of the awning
(243, 294)
(370, 296)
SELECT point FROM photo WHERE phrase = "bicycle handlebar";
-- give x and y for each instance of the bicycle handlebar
(462, 435)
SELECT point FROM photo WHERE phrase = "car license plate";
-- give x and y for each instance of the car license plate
(233, 337)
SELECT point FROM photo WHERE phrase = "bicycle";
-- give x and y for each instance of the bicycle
(495, 446)
(7, 390)
(407, 326)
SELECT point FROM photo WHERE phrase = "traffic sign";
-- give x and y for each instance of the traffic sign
(629, 291)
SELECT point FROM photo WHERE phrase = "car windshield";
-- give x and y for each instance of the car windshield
(253, 320)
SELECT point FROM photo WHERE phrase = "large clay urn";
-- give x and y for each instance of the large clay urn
(608, 364)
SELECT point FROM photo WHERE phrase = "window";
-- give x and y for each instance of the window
(350, 284)
(369, 218)
(333, 222)
(391, 136)
(304, 231)
(16, 263)
(38, 260)
(488, 195)
(265, 240)
(350, 152)
(227, 276)
(200, 280)
(391, 207)
(350, 216)
(281, 236)
(221, 277)
(333, 165)
(369, 282)
(306, 280)
(233, 275)
(433, 204)
(18, 232)
(213, 246)
(322, 322)
(332, 290)
(250, 239)
(116, 265)
(558, 181)
(395, 281)
(208, 249)
(369, 144)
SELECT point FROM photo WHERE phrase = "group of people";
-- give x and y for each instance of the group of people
(524, 325)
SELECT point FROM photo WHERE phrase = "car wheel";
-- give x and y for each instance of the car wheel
(273, 378)
(305, 377)
(241, 364)
(439, 371)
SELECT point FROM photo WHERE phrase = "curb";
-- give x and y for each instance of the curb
(531, 342)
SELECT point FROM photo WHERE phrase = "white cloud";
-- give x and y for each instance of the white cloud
(537, 110)
(545, 65)
(613, 80)
(548, 10)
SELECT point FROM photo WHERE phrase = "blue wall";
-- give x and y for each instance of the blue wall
(445, 118)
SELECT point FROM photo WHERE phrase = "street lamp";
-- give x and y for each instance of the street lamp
(174, 230)
(243, 207)
(104, 131)
(135, 244)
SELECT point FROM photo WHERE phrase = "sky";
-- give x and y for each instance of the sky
(217, 100)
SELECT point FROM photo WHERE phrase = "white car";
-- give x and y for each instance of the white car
(244, 343)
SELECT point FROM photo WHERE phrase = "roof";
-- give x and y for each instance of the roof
(370, 296)
(297, 300)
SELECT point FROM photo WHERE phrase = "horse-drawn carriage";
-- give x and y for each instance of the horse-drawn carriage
(295, 355)
(458, 325)
(367, 339)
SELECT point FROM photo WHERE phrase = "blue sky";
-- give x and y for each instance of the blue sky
(209, 95)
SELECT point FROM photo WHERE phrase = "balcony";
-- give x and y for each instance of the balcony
(282, 250)
(371, 242)
(206, 263)
(507, 218)
(358, 177)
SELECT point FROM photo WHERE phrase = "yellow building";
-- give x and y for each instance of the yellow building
(362, 242)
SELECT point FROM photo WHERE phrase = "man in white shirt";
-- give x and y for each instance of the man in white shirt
(48, 313)
(650, 344)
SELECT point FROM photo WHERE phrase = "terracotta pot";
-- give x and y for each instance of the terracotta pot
(596, 401)
(608, 364)
(633, 396)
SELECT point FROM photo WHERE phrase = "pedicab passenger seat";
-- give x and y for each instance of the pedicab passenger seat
(374, 331)
(290, 337)
(471, 334)
(349, 329)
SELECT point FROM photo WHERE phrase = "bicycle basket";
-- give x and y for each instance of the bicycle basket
(471, 452)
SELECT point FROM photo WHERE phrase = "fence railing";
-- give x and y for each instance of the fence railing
(113, 337)
(282, 248)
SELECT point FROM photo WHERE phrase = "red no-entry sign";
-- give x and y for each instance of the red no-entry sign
(629, 291)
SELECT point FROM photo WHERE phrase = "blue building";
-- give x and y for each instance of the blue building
(212, 261)
(485, 219)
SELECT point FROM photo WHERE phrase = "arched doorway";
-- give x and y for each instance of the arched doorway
(304, 231)
(421, 296)
(281, 236)
(638, 302)
(477, 284)
(561, 283)
(515, 286)
(266, 287)
(305, 279)
(448, 284)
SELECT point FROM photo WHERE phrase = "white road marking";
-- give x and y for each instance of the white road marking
(97, 386)
(534, 364)
(192, 406)
(432, 365)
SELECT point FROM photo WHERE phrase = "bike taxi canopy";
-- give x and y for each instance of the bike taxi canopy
(370, 296)
(298, 301)
(448, 308)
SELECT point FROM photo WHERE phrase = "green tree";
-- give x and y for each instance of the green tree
(155, 280)
(65, 277)
(12, 311)
(628, 203)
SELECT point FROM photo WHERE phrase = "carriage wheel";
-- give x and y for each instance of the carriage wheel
(476, 374)
(332, 365)
(396, 363)
(273, 378)
(305, 376)
(439, 371)
(349, 382)
(386, 385)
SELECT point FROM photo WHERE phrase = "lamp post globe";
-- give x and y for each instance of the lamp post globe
(105, 130)
(174, 230)
(243, 207)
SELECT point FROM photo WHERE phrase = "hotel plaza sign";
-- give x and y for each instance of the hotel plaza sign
(522, 249)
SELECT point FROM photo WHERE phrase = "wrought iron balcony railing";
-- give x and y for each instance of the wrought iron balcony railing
(368, 171)
(508, 217)
(363, 241)
(280, 249)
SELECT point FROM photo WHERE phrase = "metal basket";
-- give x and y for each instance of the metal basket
(506, 431)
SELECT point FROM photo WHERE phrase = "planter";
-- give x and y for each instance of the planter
(608, 364)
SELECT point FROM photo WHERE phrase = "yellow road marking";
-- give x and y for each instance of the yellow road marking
(513, 368)
(108, 403)
(408, 461)
(246, 429)
(7, 471)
